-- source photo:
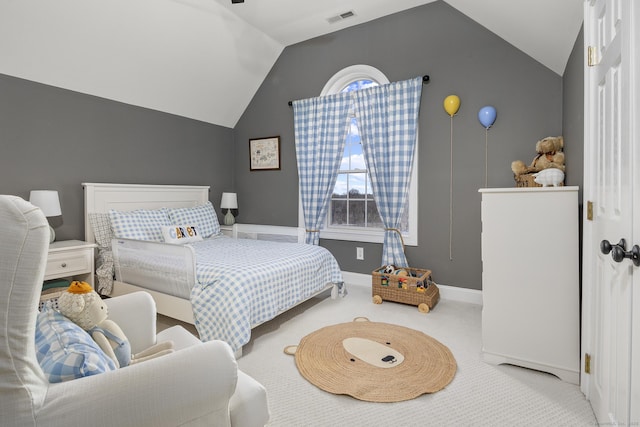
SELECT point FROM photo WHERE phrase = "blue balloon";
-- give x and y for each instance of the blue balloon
(487, 116)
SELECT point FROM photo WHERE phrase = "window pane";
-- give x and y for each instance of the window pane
(357, 158)
(356, 213)
(373, 217)
(369, 188)
(359, 84)
(338, 212)
(352, 157)
(341, 189)
(357, 185)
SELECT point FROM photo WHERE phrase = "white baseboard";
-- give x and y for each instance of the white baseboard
(453, 293)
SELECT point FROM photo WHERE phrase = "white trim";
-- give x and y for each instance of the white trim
(452, 293)
(342, 78)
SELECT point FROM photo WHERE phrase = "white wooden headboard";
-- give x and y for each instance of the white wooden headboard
(99, 198)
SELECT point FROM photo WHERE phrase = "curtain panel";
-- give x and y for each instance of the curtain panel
(388, 119)
(320, 127)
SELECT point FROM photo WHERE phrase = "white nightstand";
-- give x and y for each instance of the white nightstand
(227, 230)
(70, 258)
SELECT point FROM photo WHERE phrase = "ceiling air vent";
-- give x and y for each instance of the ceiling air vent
(341, 17)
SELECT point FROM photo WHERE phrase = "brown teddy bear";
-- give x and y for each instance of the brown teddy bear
(549, 155)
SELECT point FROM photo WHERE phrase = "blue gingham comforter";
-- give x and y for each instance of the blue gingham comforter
(243, 282)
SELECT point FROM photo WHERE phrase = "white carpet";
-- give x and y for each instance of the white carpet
(479, 395)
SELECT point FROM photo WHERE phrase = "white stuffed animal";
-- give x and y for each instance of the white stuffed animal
(82, 305)
(549, 177)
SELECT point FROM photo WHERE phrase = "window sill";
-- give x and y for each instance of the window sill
(359, 235)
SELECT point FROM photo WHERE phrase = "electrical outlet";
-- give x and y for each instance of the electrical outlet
(360, 253)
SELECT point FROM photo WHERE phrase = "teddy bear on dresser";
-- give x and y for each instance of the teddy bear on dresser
(550, 155)
(83, 306)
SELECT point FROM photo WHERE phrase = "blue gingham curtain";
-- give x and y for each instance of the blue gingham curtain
(387, 119)
(320, 126)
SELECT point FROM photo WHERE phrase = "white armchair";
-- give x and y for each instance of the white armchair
(199, 384)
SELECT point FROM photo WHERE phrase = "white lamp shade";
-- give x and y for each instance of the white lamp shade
(47, 200)
(229, 201)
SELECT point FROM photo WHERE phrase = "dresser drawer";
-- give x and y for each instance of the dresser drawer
(67, 264)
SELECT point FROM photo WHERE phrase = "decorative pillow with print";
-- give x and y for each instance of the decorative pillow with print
(181, 234)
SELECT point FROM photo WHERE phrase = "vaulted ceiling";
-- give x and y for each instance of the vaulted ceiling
(205, 59)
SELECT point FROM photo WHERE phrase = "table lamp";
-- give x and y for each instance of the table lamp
(49, 202)
(229, 201)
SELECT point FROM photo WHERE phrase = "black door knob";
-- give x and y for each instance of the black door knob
(634, 254)
(606, 247)
(619, 251)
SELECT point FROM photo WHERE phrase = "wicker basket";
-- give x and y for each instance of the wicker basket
(527, 180)
(50, 295)
(416, 288)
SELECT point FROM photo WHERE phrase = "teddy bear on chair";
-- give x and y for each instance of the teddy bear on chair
(550, 155)
(83, 306)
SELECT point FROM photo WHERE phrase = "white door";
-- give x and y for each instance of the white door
(611, 184)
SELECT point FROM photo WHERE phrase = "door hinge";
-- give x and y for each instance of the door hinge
(591, 56)
(587, 363)
(589, 210)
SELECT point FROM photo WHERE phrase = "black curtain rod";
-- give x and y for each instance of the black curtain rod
(425, 80)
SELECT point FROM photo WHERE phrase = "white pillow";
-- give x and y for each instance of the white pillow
(180, 234)
(141, 224)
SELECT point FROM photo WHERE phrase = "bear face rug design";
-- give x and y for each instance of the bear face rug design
(375, 362)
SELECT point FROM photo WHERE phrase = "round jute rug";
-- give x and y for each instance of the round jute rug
(375, 362)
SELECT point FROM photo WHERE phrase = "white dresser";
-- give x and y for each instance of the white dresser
(530, 282)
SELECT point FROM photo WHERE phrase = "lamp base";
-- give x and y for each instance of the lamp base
(52, 237)
(229, 219)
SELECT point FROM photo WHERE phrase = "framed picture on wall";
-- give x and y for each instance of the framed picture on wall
(264, 153)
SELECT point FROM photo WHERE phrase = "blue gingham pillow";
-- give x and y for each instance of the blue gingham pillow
(204, 217)
(65, 351)
(141, 224)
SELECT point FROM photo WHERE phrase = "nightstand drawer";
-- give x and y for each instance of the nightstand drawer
(66, 264)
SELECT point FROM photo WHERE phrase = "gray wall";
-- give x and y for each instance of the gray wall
(573, 121)
(55, 139)
(573, 113)
(52, 138)
(462, 58)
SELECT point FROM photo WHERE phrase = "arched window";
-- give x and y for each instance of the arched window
(352, 213)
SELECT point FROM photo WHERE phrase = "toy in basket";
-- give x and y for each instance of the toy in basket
(406, 285)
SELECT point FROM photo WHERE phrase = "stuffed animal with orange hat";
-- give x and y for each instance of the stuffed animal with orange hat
(83, 306)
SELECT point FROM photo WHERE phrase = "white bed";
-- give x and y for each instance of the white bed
(100, 198)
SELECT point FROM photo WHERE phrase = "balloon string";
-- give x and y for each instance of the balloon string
(451, 195)
(486, 157)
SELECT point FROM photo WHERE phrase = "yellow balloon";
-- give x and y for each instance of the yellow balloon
(451, 104)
